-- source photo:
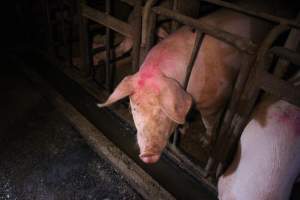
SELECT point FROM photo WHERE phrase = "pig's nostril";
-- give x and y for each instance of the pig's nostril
(149, 158)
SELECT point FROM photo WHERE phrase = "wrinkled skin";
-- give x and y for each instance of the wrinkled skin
(156, 97)
(267, 161)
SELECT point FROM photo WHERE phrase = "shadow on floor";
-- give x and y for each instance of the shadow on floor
(42, 156)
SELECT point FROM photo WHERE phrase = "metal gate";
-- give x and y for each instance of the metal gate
(252, 79)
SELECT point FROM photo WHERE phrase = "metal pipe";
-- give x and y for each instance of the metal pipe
(109, 71)
(290, 55)
(146, 20)
(137, 26)
(249, 96)
(261, 15)
(107, 21)
(235, 40)
(197, 44)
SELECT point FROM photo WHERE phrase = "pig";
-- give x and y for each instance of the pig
(158, 101)
(267, 161)
(124, 46)
(190, 9)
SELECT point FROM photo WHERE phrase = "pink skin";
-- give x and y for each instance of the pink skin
(157, 99)
(268, 156)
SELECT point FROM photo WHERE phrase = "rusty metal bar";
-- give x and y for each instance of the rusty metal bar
(279, 88)
(235, 40)
(287, 54)
(261, 15)
(108, 21)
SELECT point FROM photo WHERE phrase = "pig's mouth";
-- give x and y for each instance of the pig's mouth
(149, 158)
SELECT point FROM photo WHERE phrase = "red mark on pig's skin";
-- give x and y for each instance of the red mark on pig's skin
(290, 118)
(148, 77)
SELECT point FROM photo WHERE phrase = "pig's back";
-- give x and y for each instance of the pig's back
(268, 158)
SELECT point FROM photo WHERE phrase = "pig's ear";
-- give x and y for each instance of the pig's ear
(174, 101)
(124, 89)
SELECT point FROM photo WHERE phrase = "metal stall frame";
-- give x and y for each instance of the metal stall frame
(62, 21)
(111, 23)
(220, 155)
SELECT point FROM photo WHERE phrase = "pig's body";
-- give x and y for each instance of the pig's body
(156, 96)
(216, 65)
(267, 162)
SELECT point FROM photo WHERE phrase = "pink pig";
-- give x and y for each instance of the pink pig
(267, 162)
(156, 97)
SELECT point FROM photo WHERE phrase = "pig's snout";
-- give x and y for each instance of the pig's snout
(149, 158)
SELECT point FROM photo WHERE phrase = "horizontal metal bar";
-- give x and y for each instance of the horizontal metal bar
(279, 88)
(130, 2)
(261, 15)
(235, 40)
(107, 20)
(290, 55)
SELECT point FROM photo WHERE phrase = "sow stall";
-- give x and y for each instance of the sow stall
(266, 74)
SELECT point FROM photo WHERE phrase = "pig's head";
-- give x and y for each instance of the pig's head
(157, 103)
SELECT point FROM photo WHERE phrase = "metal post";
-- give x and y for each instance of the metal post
(197, 44)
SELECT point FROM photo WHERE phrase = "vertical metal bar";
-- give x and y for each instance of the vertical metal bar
(50, 31)
(249, 95)
(174, 24)
(109, 71)
(63, 28)
(70, 38)
(148, 27)
(84, 42)
(137, 27)
(197, 44)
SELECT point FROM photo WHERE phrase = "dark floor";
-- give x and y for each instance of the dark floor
(42, 156)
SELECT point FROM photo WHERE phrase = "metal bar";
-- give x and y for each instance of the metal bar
(235, 40)
(279, 88)
(131, 2)
(83, 43)
(290, 55)
(146, 20)
(137, 26)
(291, 43)
(197, 44)
(109, 71)
(108, 21)
(244, 105)
(49, 32)
(174, 24)
(63, 28)
(261, 15)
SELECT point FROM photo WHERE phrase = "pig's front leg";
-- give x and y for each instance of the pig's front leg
(210, 120)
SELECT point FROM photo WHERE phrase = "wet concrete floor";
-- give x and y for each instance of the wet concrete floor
(42, 156)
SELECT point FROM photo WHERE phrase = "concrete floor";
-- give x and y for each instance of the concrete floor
(42, 156)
